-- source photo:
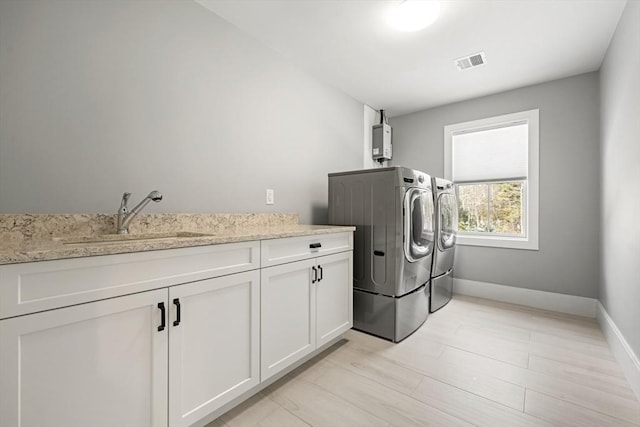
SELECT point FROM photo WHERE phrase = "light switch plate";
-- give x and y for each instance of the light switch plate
(270, 196)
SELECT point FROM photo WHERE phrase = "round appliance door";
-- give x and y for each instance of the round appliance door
(418, 224)
(448, 220)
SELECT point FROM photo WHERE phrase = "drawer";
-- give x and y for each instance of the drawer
(281, 251)
(37, 286)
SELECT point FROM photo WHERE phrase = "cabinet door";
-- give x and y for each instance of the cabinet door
(214, 345)
(334, 296)
(97, 364)
(288, 315)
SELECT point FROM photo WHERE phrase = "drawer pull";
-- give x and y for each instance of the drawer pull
(176, 301)
(315, 245)
(378, 253)
(162, 316)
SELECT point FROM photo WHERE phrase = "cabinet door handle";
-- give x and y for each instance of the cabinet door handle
(163, 313)
(315, 275)
(176, 301)
(315, 245)
(320, 270)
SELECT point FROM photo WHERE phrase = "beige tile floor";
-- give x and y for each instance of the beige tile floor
(474, 363)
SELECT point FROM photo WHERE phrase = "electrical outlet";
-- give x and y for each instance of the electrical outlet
(270, 196)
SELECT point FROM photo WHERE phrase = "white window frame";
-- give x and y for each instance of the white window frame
(531, 204)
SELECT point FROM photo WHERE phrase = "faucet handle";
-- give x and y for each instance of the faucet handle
(123, 203)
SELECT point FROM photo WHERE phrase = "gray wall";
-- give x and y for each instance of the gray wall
(620, 95)
(568, 259)
(102, 97)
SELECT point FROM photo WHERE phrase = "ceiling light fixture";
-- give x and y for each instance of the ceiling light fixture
(413, 15)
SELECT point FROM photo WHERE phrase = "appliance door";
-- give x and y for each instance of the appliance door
(448, 221)
(447, 209)
(418, 224)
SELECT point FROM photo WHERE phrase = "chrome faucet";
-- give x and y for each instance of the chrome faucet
(125, 216)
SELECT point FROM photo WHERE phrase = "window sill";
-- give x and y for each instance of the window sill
(498, 242)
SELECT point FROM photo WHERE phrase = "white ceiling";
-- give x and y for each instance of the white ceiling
(348, 44)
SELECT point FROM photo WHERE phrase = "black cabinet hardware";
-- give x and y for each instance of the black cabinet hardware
(320, 270)
(315, 245)
(163, 313)
(378, 253)
(315, 275)
(176, 301)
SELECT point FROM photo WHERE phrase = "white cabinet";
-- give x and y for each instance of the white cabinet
(213, 344)
(290, 249)
(164, 338)
(97, 364)
(305, 304)
(95, 357)
(111, 362)
(287, 315)
(334, 297)
(45, 285)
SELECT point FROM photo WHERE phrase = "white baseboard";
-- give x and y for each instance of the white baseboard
(621, 350)
(580, 306)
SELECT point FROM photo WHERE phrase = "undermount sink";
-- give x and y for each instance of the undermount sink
(120, 238)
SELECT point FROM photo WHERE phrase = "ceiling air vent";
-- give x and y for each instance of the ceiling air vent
(471, 61)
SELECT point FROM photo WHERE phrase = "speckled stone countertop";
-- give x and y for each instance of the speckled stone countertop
(41, 237)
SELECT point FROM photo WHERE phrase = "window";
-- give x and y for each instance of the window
(494, 165)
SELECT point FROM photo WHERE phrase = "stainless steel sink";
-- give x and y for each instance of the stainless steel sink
(123, 238)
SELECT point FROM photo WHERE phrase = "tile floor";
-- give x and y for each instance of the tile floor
(476, 362)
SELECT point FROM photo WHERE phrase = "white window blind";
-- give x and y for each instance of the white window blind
(498, 153)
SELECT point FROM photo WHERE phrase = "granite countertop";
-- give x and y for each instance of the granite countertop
(55, 244)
